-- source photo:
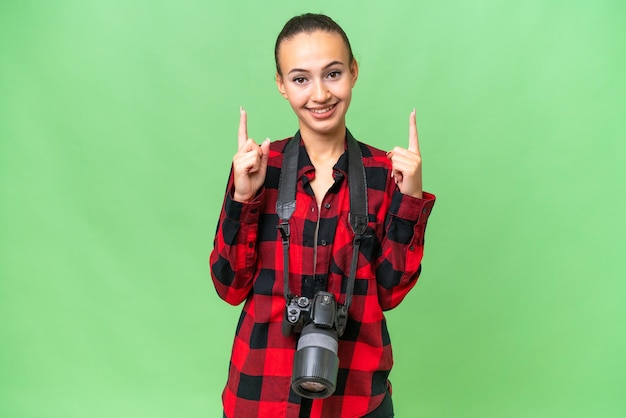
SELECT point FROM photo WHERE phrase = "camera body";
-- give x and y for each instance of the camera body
(321, 311)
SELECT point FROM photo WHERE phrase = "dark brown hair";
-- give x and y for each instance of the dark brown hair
(308, 23)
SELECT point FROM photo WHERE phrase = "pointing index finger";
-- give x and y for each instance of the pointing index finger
(243, 128)
(413, 141)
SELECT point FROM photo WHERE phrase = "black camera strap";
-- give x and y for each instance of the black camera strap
(286, 205)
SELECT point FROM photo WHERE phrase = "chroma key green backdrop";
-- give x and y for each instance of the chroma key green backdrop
(118, 122)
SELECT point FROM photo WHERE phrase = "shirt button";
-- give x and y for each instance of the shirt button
(412, 248)
(327, 205)
(323, 243)
(251, 245)
(312, 208)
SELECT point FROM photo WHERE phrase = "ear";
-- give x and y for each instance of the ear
(281, 85)
(354, 71)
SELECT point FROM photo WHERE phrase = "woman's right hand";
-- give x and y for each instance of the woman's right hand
(249, 163)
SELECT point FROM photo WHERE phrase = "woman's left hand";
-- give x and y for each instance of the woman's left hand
(407, 163)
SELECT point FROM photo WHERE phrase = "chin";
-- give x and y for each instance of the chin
(324, 129)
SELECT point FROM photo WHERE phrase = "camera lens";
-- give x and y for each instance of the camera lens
(316, 363)
(312, 387)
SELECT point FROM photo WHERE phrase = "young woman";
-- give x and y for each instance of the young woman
(315, 72)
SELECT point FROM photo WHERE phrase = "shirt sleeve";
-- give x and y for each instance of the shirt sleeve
(233, 258)
(399, 265)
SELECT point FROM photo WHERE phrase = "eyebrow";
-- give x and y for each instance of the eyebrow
(301, 70)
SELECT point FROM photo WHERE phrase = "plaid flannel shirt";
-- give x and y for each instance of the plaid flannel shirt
(247, 265)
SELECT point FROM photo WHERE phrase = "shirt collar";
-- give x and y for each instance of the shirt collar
(305, 165)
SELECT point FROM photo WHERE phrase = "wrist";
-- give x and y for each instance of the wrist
(241, 198)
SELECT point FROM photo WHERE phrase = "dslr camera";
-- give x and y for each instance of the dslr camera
(319, 321)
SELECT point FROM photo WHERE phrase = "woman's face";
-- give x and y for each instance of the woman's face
(317, 79)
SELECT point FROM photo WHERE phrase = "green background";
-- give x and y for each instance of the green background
(118, 123)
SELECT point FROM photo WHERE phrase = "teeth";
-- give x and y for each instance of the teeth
(322, 110)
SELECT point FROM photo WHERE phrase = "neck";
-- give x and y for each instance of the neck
(324, 146)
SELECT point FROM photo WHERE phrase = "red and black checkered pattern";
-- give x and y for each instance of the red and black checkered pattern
(247, 265)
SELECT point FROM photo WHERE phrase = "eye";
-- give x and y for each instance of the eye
(299, 80)
(334, 74)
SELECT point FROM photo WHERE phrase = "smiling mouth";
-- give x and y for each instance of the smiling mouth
(323, 111)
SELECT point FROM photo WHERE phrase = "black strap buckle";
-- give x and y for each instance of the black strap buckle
(358, 223)
(283, 227)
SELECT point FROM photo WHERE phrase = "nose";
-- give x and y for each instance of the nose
(320, 92)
